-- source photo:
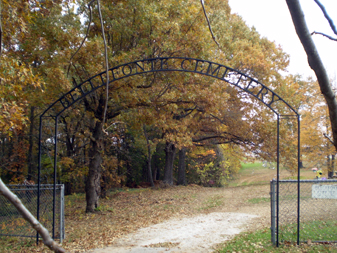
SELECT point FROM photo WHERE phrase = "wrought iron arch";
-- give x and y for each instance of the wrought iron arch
(175, 64)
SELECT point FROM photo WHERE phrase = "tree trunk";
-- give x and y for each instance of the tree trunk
(149, 172)
(103, 186)
(331, 165)
(154, 169)
(156, 161)
(31, 143)
(158, 173)
(182, 167)
(170, 155)
(315, 62)
(92, 185)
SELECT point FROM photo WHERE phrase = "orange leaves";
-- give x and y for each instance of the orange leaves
(13, 159)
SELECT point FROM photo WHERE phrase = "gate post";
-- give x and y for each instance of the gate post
(62, 233)
(273, 211)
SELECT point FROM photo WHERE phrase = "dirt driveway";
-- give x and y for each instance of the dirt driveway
(202, 232)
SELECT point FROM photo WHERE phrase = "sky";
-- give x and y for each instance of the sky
(272, 19)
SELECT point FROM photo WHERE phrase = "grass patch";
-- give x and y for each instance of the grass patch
(238, 184)
(313, 230)
(259, 241)
(214, 201)
(295, 178)
(249, 166)
(258, 200)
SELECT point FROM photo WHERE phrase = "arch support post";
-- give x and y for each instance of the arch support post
(55, 174)
(278, 181)
(39, 177)
(298, 177)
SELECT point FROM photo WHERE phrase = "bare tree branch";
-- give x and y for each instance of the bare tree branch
(105, 53)
(209, 24)
(106, 65)
(326, 136)
(332, 25)
(85, 37)
(325, 35)
(47, 240)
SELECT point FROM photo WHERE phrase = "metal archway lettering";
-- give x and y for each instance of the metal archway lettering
(176, 64)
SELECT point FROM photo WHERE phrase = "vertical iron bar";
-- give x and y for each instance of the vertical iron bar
(278, 179)
(272, 210)
(298, 177)
(55, 173)
(39, 178)
(61, 219)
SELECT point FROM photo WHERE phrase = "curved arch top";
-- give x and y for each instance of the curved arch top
(203, 67)
(181, 64)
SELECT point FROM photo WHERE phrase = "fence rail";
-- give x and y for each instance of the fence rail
(13, 224)
(318, 211)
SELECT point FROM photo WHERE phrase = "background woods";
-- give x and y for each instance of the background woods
(177, 128)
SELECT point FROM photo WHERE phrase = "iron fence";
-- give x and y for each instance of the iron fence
(13, 224)
(317, 212)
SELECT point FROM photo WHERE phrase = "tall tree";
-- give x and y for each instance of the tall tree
(317, 146)
(315, 61)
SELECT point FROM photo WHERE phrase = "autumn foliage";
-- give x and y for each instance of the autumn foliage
(150, 117)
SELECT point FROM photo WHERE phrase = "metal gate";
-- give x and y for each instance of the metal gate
(317, 205)
(51, 214)
(280, 108)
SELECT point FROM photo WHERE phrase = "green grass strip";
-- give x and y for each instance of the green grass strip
(260, 241)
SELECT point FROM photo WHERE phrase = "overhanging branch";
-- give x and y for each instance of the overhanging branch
(209, 24)
(315, 62)
(332, 25)
(326, 136)
(325, 35)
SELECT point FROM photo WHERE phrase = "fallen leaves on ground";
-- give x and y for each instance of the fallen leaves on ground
(124, 212)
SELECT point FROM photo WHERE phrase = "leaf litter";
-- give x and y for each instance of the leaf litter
(123, 213)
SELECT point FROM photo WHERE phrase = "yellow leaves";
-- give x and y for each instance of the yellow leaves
(17, 81)
(315, 147)
(66, 162)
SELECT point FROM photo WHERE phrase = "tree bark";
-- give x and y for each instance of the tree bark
(315, 62)
(47, 240)
(331, 165)
(149, 172)
(170, 155)
(154, 169)
(156, 161)
(93, 184)
(182, 167)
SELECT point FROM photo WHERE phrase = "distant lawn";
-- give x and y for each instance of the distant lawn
(250, 166)
(256, 166)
